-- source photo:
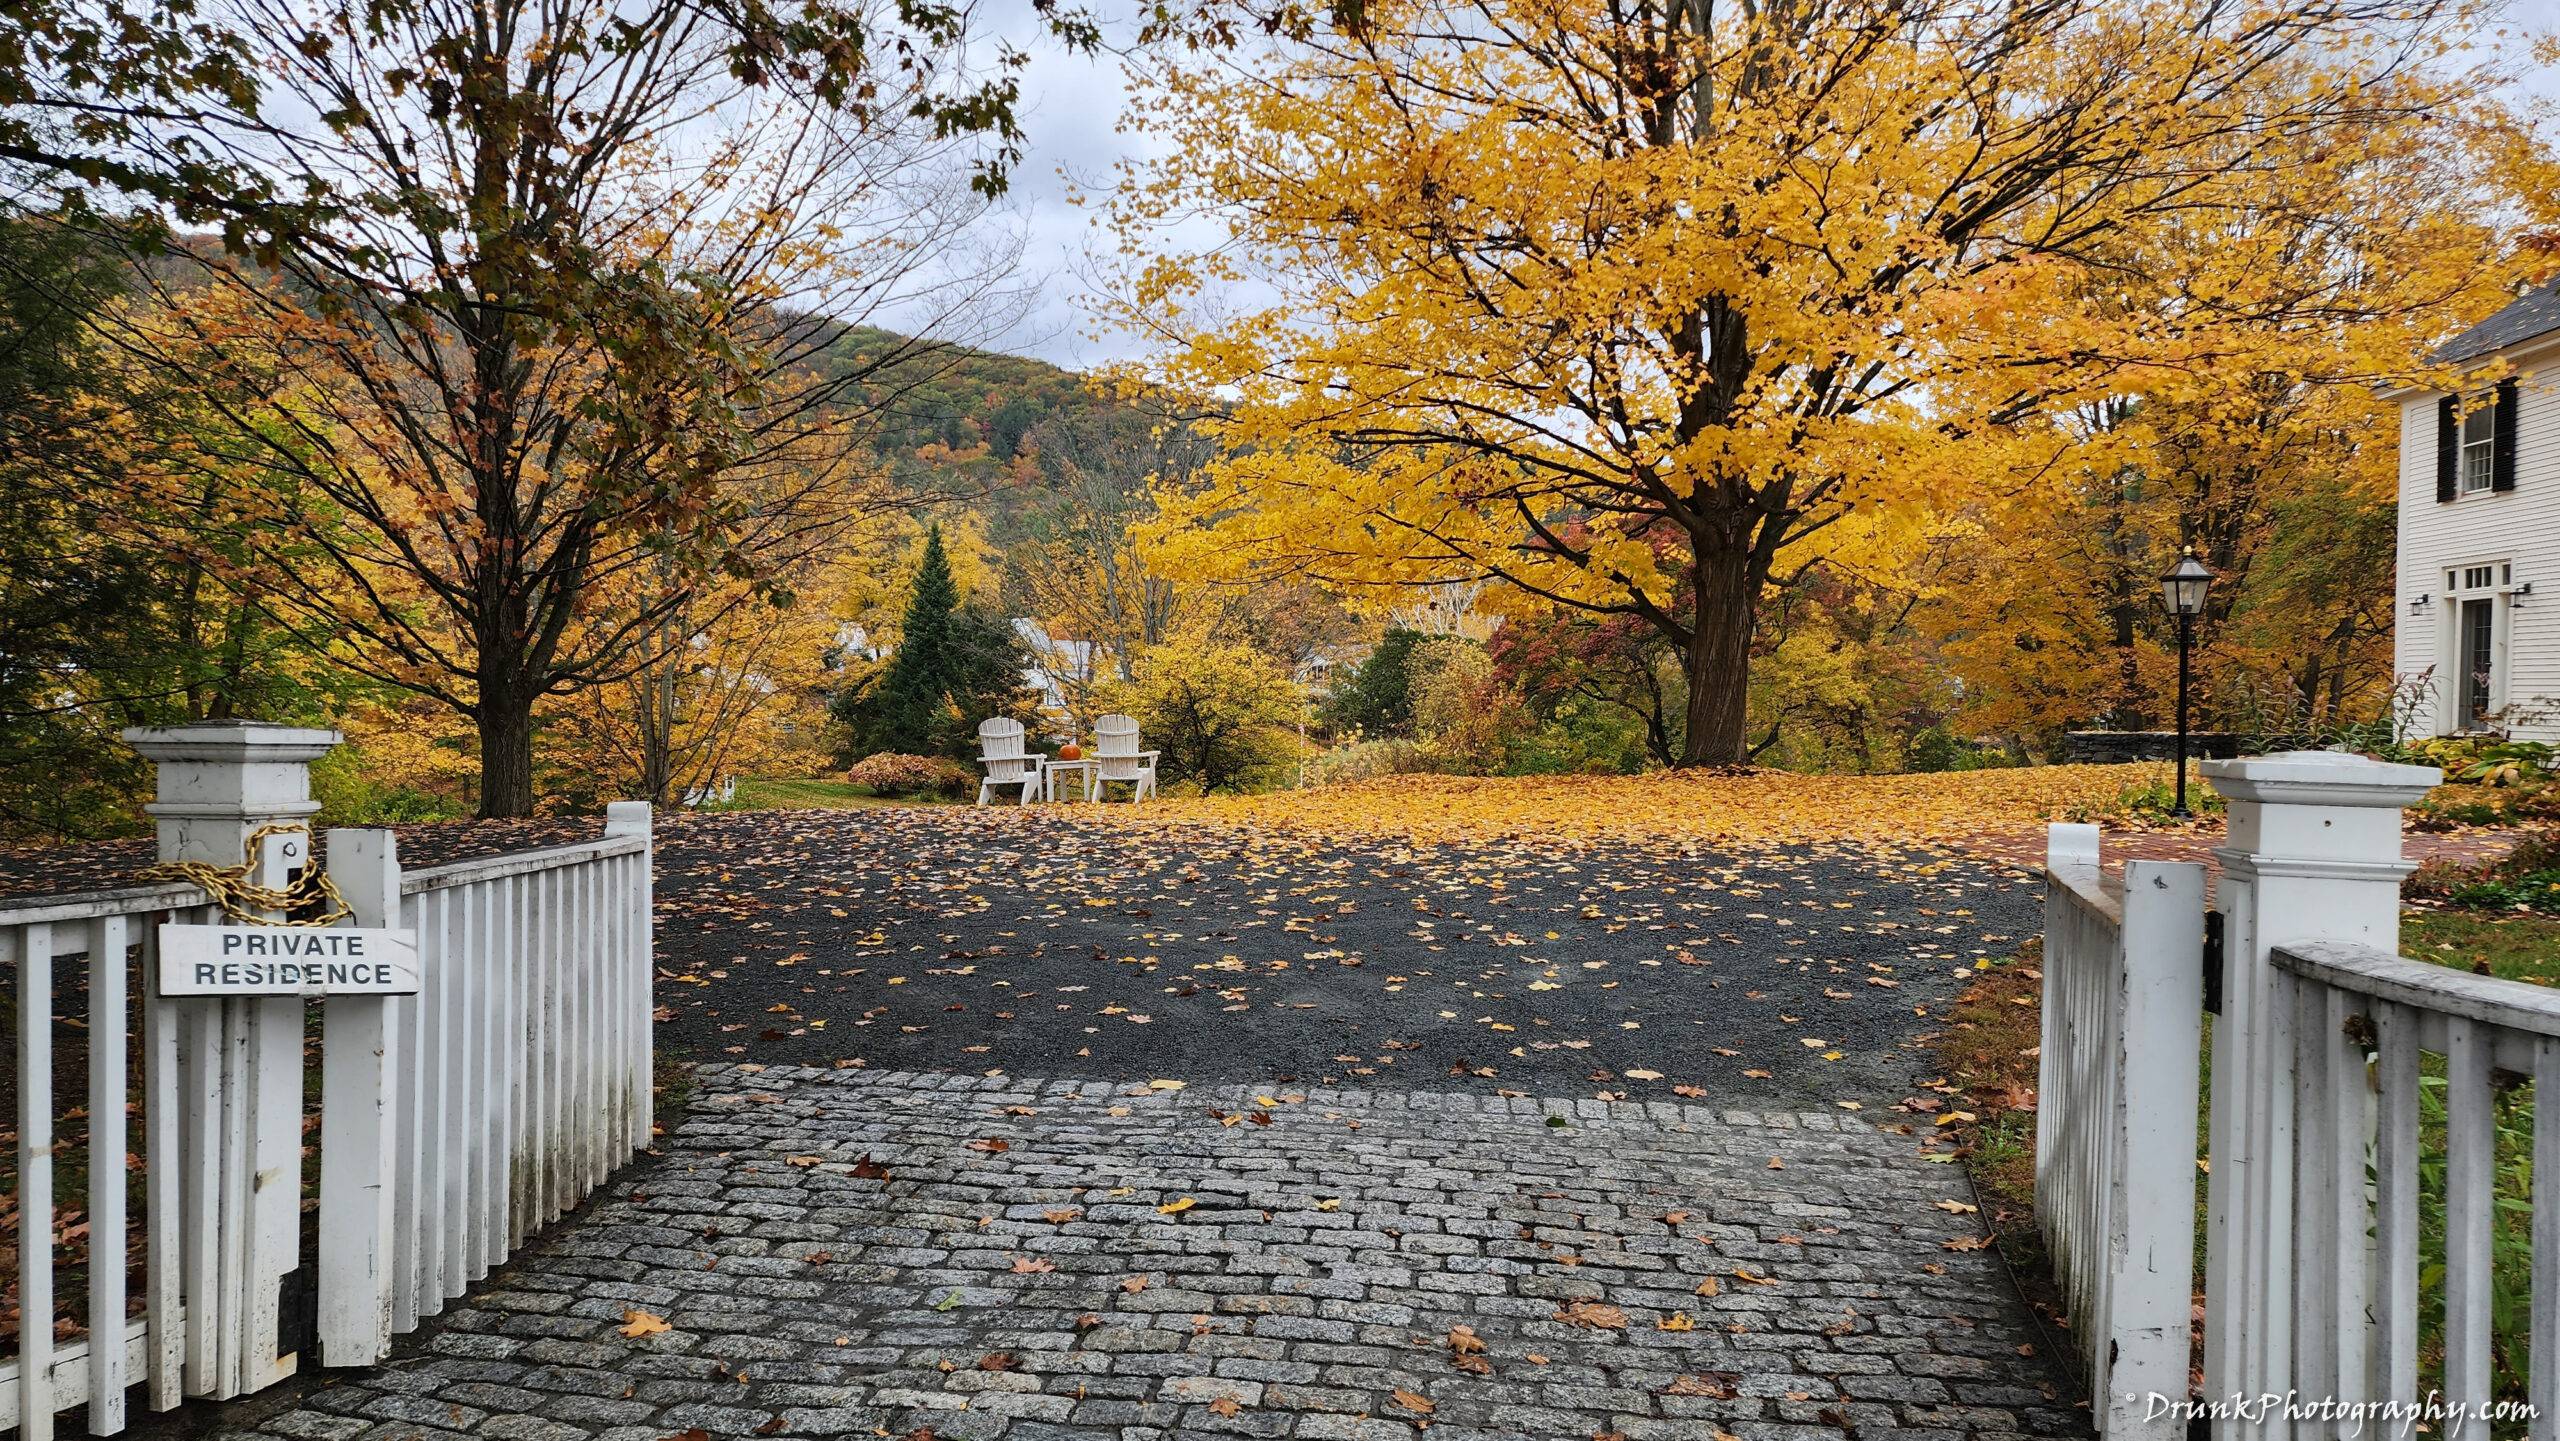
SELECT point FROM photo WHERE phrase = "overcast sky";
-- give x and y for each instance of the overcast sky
(1071, 110)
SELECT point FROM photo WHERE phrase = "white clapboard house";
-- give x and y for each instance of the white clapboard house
(2479, 575)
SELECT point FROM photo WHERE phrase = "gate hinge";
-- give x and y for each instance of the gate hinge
(2213, 963)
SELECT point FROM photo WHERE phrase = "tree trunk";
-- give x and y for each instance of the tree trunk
(506, 755)
(1718, 660)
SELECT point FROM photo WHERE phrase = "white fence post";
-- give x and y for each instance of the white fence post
(359, 1097)
(2151, 1234)
(219, 781)
(632, 818)
(2312, 854)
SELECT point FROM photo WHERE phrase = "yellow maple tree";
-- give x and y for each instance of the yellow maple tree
(1642, 310)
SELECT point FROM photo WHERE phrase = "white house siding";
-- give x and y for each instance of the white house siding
(2519, 528)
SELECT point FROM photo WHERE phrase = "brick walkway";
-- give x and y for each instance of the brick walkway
(1026, 1269)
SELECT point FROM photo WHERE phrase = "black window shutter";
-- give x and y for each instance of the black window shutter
(2448, 449)
(2502, 454)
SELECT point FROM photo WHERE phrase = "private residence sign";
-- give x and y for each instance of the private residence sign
(287, 961)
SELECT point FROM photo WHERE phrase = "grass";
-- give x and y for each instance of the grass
(2515, 945)
(810, 795)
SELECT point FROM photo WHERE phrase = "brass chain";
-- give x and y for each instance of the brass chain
(250, 904)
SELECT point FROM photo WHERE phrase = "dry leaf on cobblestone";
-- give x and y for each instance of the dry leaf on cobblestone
(993, 1145)
(999, 1361)
(1968, 1243)
(1592, 1315)
(1714, 1385)
(1676, 1321)
(1415, 1402)
(1176, 1208)
(641, 1323)
(1224, 1406)
(1741, 1273)
(1134, 1285)
(1061, 1215)
(1033, 1265)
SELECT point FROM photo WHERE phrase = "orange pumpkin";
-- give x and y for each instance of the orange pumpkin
(1071, 752)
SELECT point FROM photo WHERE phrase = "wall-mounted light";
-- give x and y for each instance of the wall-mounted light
(2418, 604)
(2523, 590)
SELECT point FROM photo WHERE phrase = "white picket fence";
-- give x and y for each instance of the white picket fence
(2314, 1250)
(453, 1123)
(2340, 1067)
(45, 943)
(2115, 1101)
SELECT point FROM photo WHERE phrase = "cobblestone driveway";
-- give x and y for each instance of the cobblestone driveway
(1027, 1268)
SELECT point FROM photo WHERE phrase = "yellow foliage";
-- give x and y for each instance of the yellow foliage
(1646, 322)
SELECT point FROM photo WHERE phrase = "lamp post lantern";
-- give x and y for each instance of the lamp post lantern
(2182, 591)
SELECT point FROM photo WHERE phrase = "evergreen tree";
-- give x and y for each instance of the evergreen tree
(955, 666)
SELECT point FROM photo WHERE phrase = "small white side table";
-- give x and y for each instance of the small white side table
(1089, 770)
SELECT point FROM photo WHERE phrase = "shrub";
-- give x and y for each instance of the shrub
(1463, 711)
(2525, 878)
(1368, 760)
(1220, 715)
(892, 774)
(1377, 697)
(2151, 800)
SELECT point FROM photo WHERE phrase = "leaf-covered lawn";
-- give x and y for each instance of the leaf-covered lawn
(2519, 947)
(1687, 806)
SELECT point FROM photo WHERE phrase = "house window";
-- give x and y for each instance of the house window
(2479, 446)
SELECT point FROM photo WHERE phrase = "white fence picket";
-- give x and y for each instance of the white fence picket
(2543, 1362)
(107, 1174)
(34, 958)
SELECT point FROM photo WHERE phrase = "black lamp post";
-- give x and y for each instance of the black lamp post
(2182, 591)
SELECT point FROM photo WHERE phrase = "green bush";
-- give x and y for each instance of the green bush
(1580, 738)
(1939, 748)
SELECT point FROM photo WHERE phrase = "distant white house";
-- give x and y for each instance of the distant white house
(1057, 666)
(2478, 604)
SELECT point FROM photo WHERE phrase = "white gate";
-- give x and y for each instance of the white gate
(2315, 1243)
(453, 1122)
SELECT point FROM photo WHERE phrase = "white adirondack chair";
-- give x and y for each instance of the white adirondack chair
(1000, 750)
(1117, 758)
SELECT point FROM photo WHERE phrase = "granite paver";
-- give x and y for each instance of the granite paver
(848, 1252)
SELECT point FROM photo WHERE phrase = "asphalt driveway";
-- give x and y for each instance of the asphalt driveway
(1051, 943)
